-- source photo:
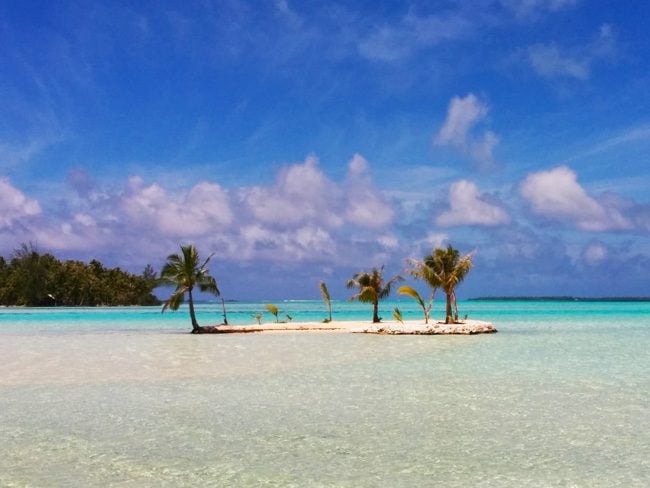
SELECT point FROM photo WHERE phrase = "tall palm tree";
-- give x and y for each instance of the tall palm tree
(444, 268)
(186, 272)
(372, 288)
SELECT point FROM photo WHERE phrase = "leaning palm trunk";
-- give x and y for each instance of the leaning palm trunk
(326, 297)
(196, 328)
(375, 312)
(225, 317)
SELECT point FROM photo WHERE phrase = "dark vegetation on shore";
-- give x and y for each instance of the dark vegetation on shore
(32, 279)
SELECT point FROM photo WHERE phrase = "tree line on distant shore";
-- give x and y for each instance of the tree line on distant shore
(33, 279)
(443, 269)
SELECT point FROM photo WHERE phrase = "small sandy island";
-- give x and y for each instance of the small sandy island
(412, 327)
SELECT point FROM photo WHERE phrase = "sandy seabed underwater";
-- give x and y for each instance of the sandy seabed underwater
(126, 397)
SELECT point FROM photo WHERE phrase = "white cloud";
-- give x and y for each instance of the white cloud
(303, 243)
(552, 61)
(14, 205)
(422, 246)
(70, 235)
(365, 207)
(389, 241)
(203, 209)
(302, 193)
(556, 194)
(434, 239)
(302, 216)
(462, 115)
(84, 219)
(467, 207)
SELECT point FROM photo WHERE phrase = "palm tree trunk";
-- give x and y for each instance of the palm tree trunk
(225, 317)
(448, 308)
(375, 312)
(195, 325)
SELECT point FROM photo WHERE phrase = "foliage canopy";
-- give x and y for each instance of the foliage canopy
(33, 279)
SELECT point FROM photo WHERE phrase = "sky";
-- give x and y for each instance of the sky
(302, 141)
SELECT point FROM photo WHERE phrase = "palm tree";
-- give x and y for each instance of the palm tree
(444, 268)
(184, 271)
(372, 289)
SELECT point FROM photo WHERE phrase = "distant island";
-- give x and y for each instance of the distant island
(29, 278)
(559, 299)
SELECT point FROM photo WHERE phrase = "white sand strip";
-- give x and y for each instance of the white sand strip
(414, 327)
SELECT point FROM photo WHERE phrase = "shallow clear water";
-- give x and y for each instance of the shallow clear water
(125, 397)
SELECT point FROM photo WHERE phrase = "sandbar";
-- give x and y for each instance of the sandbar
(388, 327)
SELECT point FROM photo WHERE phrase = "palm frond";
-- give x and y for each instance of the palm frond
(412, 292)
(325, 292)
(397, 314)
(205, 263)
(209, 284)
(385, 291)
(272, 308)
(367, 294)
(174, 301)
(421, 271)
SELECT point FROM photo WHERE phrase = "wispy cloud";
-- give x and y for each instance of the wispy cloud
(40, 132)
(553, 61)
(528, 8)
(398, 39)
(15, 154)
(14, 205)
(631, 135)
(595, 253)
(286, 12)
(463, 114)
(392, 42)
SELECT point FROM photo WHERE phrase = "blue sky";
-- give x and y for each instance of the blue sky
(302, 141)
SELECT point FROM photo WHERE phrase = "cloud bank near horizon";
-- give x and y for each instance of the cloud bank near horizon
(304, 217)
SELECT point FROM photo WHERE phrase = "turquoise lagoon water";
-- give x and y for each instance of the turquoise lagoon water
(125, 397)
